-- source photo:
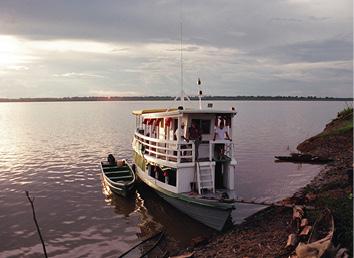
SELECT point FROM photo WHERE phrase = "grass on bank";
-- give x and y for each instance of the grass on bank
(345, 112)
(345, 123)
(342, 210)
(347, 116)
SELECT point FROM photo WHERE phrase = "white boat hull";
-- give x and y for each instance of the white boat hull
(213, 216)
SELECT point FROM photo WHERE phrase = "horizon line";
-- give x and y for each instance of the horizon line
(152, 97)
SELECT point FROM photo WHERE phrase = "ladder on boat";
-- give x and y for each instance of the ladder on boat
(205, 177)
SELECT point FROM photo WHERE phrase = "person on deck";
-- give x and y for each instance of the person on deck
(219, 134)
(184, 140)
(195, 135)
(177, 132)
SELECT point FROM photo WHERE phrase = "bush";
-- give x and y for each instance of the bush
(345, 112)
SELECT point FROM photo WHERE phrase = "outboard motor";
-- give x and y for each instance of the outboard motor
(111, 160)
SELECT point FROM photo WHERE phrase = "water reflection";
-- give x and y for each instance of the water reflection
(122, 205)
(155, 215)
(176, 224)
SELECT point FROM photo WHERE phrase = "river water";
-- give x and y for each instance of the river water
(53, 150)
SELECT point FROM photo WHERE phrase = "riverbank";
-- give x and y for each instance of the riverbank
(265, 233)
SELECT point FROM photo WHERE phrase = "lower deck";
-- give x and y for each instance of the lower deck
(190, 181)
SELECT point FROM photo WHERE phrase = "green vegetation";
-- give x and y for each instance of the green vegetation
(342, 210)
(347, 115)
(345, 112)
(341, 207)
(347, 126)
(343, 123)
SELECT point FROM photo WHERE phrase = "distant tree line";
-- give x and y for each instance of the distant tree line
(162, 98)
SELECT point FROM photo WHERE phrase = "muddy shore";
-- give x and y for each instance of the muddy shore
(265, 233)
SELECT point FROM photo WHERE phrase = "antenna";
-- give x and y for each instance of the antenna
(182, 94)
(181, 30)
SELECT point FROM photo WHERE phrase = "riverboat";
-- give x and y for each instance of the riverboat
(193, 175)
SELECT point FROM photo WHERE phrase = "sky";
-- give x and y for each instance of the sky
(66, 48)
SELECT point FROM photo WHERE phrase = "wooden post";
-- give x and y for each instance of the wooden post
(292, 240)
(179, 123)
(211, 150)
(31, 200)
(193, 151)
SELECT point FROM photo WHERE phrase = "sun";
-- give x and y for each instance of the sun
(13, 52)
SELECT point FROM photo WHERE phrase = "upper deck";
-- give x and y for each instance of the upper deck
(164, 135)
(165, 112)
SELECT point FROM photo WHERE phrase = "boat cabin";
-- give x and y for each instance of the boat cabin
(176, 149)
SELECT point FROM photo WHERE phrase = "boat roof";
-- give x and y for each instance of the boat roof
(154, 110)
(163, 112)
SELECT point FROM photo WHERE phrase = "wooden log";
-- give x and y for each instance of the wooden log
(292, 241)
(304, 222)
(305, 231)
(186, 255)
(316, 248)
(342, 253)
(298, 212)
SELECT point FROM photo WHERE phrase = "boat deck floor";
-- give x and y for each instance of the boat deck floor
(208, 195)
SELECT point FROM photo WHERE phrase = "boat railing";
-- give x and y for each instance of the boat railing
(168, 150)
(229, 148)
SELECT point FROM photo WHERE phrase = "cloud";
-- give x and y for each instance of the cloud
(80, 45)
(110, 93)
(78, 75)
(14, 53)
(212, 22)
(278, 19)
(70, 48)
(329, 49)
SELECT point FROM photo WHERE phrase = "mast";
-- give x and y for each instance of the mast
(183, 95)
(200, 93)
(182, 90)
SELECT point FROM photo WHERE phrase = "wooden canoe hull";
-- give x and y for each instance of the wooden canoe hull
(124, 190)
(120, 187)
(302, 158)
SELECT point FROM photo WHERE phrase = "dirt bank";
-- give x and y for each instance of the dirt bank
(265, 233)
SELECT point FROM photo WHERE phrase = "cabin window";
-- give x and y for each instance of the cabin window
(172, 177)
(152, 171)
(203, 124)
(160, 176)
(157, 173)
(165, 175)
(175, 124)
